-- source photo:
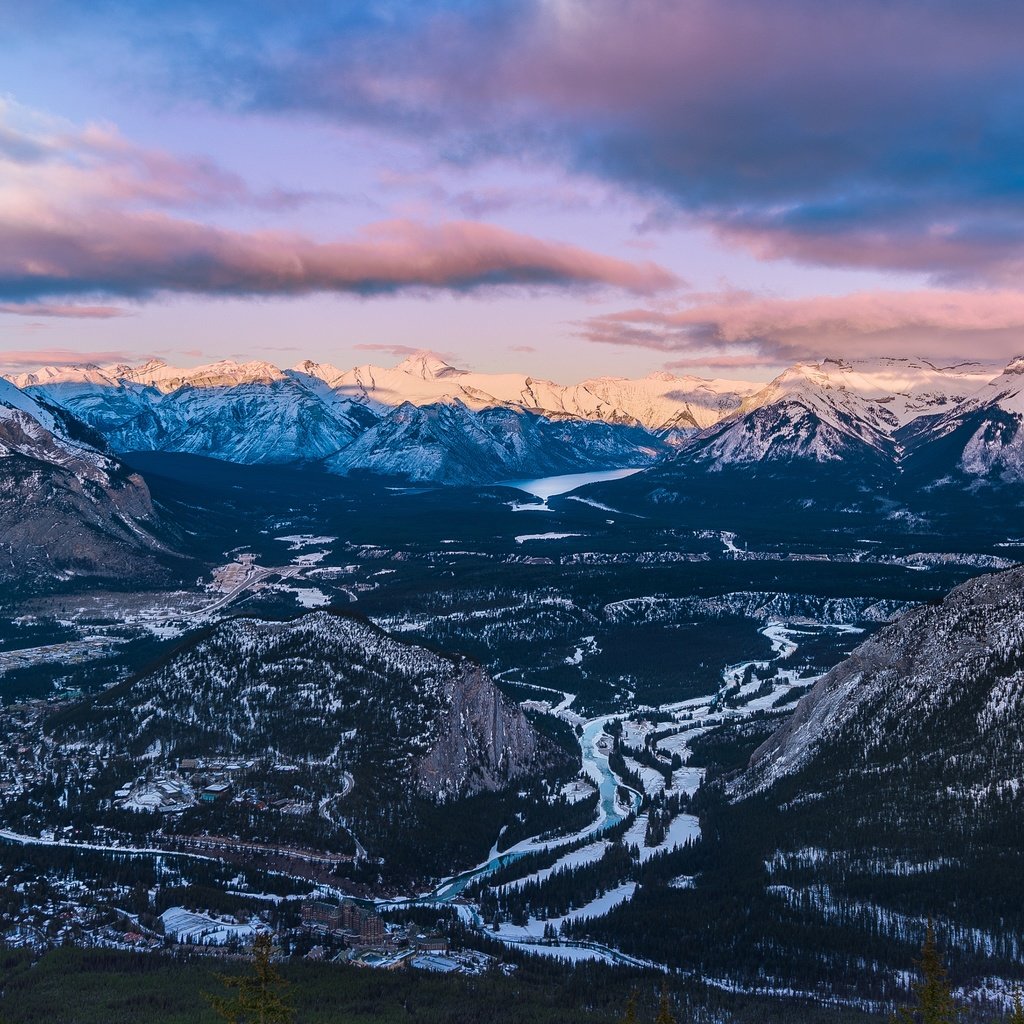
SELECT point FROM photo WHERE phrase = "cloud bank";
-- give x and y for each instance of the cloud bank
(883, 134)
(740, 330)
(85, 213)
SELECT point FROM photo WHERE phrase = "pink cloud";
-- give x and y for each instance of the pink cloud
(64, 310)
(95, 163)
(738, 329)
(54, 252)
(85, 212)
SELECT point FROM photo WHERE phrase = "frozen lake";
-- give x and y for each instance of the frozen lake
(545, 487)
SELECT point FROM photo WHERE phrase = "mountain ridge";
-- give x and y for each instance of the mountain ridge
(68, 506)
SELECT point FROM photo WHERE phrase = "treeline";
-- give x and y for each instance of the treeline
(73, 986)
(70, 986)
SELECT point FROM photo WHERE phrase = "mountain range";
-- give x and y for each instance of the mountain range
(428, 421)
(422, 419)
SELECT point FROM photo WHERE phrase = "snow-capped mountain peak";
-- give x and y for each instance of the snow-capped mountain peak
(223, 373)
(982, 437)
(826, 411)
(805, 413)
(428, 365)
(15, 401)
(86, 373)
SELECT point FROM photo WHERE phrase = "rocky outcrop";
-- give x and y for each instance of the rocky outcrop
(333, 690)
(482, 741)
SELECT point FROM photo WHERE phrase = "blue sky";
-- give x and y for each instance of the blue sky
(567, 187)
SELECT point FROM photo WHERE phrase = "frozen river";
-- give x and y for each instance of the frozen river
(610, 812)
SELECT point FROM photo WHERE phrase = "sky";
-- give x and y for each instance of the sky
(567, 188)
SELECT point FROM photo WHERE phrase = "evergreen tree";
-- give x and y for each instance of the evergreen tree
(935, 1003)
(664, 1010)
(259, 995)
(1017, 1013)
(629, 1017)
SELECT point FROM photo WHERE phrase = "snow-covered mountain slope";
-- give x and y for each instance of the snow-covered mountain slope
(941, 690)
(449, 443)
(908, 388)
(331, 690)
(248, 413)
(66, 506)
(895, 793)
(804, 414)
(982, 438)
(278, 421)
(831, 412)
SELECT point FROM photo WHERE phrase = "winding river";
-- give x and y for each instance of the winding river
(610, 813)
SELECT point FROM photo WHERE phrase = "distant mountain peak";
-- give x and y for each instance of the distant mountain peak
(428, 365)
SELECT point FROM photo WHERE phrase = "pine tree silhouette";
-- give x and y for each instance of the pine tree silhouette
(259, 995)
(664, 1011)
(1017, 1013)
(629, 1017)
(935, 1003)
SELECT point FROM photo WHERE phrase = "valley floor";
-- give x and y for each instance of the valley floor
(660, 649)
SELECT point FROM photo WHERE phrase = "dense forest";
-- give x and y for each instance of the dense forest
(71, 986)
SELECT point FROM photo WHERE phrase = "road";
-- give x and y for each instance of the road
(257, 576)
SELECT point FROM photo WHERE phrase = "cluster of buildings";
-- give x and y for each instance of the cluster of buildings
(197, 781)
(348, 921)
(372, 943)
(162, 793)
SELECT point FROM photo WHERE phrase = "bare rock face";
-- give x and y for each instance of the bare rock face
(67, 507)
(482, 740)
(943, 685)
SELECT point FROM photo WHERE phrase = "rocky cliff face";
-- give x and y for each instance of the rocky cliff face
(67, 507)
(482, 741)
(943, 679)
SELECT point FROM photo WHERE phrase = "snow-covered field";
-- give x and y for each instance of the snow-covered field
(201, 929)
(534, 928)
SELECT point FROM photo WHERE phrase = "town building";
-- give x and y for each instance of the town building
(216, 792)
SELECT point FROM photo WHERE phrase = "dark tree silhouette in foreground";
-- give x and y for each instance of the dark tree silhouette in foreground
(258, 997)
